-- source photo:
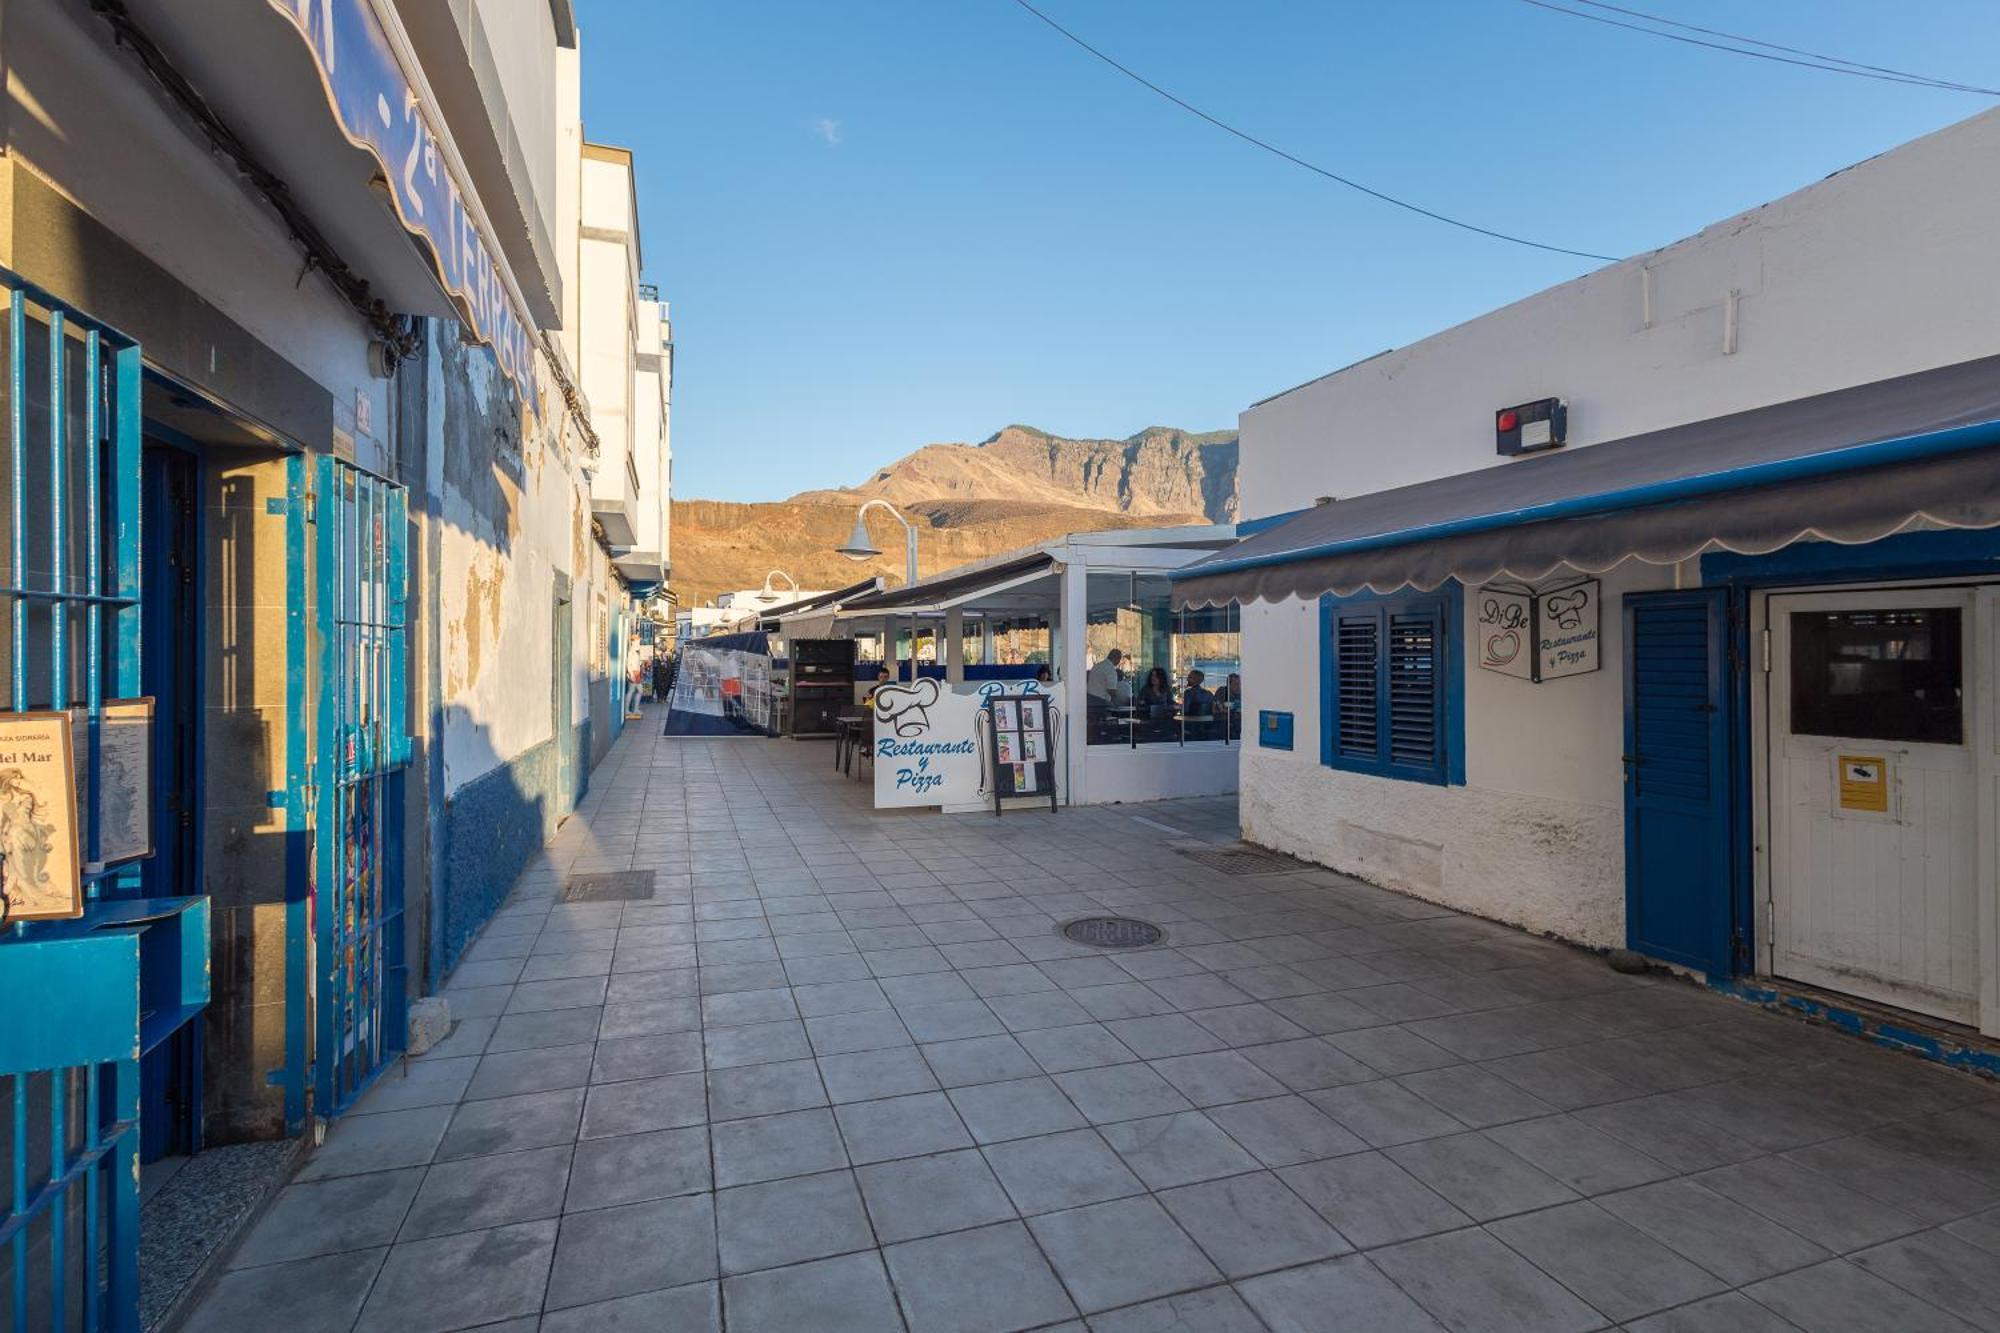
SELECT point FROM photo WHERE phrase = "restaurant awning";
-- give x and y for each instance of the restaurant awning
(934, 596)
(1851, 466)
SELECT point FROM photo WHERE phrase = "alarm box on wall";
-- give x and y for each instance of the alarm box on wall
(1529, 428)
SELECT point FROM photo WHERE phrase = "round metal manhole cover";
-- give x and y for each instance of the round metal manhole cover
(1113, 932)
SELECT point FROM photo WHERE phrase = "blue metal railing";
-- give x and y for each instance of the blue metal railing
(71, 990)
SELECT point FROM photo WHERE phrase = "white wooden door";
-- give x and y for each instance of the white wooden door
(1874, 800)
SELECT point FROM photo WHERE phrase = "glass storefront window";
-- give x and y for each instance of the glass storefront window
(1155, 676)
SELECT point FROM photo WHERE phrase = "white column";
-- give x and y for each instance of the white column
(954, 646)
(1071, 620)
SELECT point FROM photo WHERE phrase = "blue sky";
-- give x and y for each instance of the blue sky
(884, 223)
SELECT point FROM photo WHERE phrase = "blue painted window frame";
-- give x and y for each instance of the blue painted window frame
(1445, 608)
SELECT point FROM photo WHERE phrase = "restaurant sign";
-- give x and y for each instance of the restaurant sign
(1539, 636)
(930, 742)
(377, 109)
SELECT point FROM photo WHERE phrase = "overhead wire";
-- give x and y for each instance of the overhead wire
(1298, 161)
(1772, 51)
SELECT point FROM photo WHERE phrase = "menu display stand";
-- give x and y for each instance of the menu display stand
(1021, 747)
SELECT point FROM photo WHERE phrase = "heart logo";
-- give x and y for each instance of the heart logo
(1503, 648)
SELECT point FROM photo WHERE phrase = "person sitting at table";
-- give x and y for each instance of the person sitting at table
(1197, 701)
(1229, 700)
(881, 679)
(1043, 677)
(1156, 696)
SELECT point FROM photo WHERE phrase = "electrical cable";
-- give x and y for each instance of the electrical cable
(1811, 60)
(1298, 161)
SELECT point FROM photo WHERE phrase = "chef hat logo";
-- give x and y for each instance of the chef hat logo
(1567, 608)
(906, 708)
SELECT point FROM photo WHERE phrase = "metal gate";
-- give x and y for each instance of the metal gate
(362, 751)
(71, 990)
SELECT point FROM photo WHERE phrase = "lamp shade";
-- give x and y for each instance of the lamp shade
(858, 546)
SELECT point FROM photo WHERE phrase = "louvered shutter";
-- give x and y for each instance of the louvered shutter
(1414, 696)
(1358, 651)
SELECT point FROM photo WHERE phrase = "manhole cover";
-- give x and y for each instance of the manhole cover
(1239, 860)
(1113, 932)
(609, 887)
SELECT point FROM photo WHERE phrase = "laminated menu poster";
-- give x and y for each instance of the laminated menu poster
(40, 872)
(1021, 749)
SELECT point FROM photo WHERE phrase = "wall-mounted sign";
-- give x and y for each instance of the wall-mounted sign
(124, 807)
(1538, 635)
(40, 873)
(1863, 782)
(1527, 428)
(931, 738)
(1506, 641)
(1566, 623)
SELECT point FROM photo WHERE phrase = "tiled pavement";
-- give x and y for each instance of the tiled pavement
(840, 1073)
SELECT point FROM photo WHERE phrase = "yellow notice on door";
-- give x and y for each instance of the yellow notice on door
(1864, 782)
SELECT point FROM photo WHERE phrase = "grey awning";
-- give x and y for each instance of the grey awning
(1852, 466)
(930, 593)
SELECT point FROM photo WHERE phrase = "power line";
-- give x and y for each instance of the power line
(1792, 55)
(1298, 161)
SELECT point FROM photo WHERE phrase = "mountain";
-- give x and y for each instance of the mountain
(1013, 489)
(1160, 471)
(719, 546)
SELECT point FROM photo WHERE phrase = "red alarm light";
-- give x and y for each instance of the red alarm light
(1509, 420)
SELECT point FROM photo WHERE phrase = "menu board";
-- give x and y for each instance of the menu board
(1022, 751)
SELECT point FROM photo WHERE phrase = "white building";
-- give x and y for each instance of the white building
(1778, 474)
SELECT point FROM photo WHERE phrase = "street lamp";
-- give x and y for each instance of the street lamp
(859, 547)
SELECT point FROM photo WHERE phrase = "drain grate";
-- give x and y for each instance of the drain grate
(1239, 860)
(1113, 932)
(611, 886)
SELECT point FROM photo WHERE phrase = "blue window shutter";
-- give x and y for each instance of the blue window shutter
(1357, 685)
(1393, 701)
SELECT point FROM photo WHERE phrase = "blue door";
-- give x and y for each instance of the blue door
(363, 751)
(1678, 899)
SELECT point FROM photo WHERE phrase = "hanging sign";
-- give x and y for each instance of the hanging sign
(1507, 632)
(40, 872)
(1566, 631)
(1539, 636)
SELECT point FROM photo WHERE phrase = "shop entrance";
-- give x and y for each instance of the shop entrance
(1873, 796)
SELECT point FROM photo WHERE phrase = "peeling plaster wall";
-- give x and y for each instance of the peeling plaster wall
(1534, 838)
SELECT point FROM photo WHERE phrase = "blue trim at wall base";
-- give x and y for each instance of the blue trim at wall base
(490, 828)
(1943, 1047)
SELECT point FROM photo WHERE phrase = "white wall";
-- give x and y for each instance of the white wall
(1535, 837)
(1885, 269)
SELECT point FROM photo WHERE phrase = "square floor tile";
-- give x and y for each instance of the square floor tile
(838, 1034)
(923, 1196)
(640, 1105)
(770, 1147)
(318, 1295)
(1120, 1092)
(1177, 1149)
(755, 1044)
(1815, 1205)
(1372, 1201)
(1210, 1310)
(860, 1076)
(1619, 1270)
(510, 1124)
(328, 1216)
(1112, 1254)
(1281, 1131)
(450, 1282)
(979, 1060)
(696, 1308)
(1252, 1224)
(1309, 1064)
(610, 1252)
(900, 1127)
(1468, 1280)
(364, 1143)
(1727, 1239)
(1482, 1178)
(1019, 1109)
(849, 1294)
(1061, 1171)
(1216, 1077)
(646, 1018)
(764, 1089)
(1838, 1296)
(488, 1192)
(1085, 1046)
(1164, 1035)
(1301, 1300)
(543, 1069)
(789, 1221)
(633, 1167)
(1582, 1158)
(1384, 1113)
(982, 1281)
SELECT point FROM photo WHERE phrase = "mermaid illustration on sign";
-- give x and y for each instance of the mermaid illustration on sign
(27, 842)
